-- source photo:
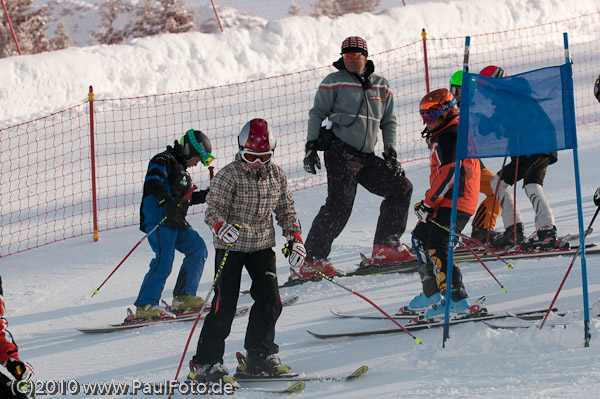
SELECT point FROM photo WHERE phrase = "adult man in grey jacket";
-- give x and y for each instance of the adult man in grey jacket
(357, 103)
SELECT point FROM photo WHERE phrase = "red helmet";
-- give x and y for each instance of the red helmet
(493, 71)
(256, 136)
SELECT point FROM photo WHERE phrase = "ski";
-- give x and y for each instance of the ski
(131, 323)
(507, 254)
(427, 324)
(294, 388)
(297, 387)
(240, 376)
(346, 377)
(414, 315)
(462, 256)
(560, 239)
(404, 267)
(495, 326)
(533, 317)
(292, 282)
(411, 266)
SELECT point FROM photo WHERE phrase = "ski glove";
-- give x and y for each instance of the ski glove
(229, 233)
(597, 197)
(20, 370)
(199, 197)
(423, 212)
(391, 161)
(311, 159)
(294, 250)
(170, 207)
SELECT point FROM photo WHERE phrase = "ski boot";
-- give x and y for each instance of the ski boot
(151, 312)
(507, 239)
(546, 240)
(481, 234)
(423, 302)
(204, 373)
(185, 303)
(262, 364)
(306, 273)
(389, 255)
(459, 303)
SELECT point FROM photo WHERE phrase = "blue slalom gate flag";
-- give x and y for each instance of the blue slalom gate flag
(525, 114)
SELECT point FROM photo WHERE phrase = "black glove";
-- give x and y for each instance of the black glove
(170, 207)
(199, 197)
(391, 161)
(311, 159)
(19, 369)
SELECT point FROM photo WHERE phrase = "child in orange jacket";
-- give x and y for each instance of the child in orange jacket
(430, 238)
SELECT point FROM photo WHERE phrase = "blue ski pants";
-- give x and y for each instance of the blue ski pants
(164, 241)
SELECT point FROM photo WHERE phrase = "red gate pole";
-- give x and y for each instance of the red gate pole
(424, 35)
(12, 30)
(216, 14)
(93, 165)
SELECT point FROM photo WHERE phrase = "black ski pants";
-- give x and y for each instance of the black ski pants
(437, 239)
(532, 169)
(346, 168)
(8, 389)
(260, 333)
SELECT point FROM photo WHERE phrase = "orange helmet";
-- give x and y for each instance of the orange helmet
(436, 104)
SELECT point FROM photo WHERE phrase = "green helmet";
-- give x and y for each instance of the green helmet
(456, 79)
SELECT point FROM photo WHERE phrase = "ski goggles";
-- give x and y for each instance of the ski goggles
(206, 156)
(252, 157)
(351, 55)
(430, 115)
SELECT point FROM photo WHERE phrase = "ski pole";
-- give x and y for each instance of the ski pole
(212, 288)
(494, 192)
(510, 265)
(462, 237)
(326, 277)
(185, 197)
(587, 231)
(484, 265)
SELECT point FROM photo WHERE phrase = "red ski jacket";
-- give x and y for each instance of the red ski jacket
(7, 346)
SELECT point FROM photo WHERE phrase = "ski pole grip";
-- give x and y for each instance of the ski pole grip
(189, 193)
(211, 172)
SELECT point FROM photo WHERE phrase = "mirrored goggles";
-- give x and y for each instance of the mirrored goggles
(252, 157)
(430, 115)
(350, 55)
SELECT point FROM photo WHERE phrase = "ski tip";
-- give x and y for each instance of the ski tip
(358, 372)
(291, 300)
(295, 388)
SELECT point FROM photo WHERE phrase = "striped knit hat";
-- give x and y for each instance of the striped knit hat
(355, 44)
